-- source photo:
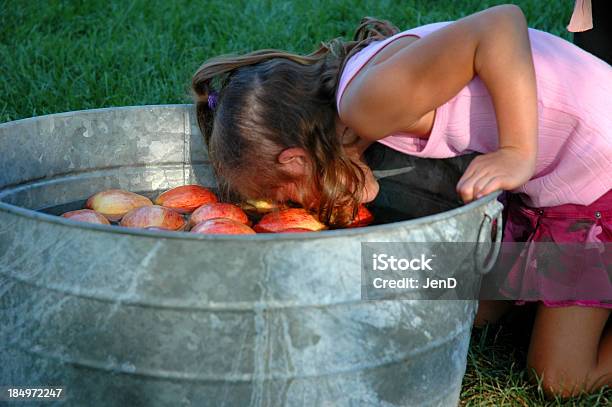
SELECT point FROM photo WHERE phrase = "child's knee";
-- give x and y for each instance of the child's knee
(556, 381)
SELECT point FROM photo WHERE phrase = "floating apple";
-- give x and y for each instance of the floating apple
(186, 198)
(364, 217)
(261, 206)
(115, 203)
(218, 210)
(289, 218)
(153, 216)
(222, 226)
(87, 215)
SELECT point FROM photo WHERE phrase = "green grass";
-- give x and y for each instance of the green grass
(63, 56)
(58, 56)
(496, 373)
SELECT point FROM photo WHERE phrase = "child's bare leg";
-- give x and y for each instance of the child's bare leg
(489, 311)
(571, 349)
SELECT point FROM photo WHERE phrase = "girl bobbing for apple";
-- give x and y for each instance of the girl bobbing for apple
(292, 127)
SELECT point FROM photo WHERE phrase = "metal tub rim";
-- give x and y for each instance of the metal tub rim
(94, 111)
(44, 217)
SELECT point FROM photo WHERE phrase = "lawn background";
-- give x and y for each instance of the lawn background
(58, 56)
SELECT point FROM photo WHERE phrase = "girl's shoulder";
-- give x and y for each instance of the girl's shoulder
(380, 50)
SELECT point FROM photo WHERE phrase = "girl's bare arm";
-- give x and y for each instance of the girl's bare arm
(393, 95)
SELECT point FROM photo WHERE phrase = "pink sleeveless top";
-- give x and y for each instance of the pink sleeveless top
(574, 160)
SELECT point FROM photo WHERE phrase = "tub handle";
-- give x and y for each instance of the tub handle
(483, 233)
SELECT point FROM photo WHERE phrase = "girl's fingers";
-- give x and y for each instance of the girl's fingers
(466, 188)
(479, 185)
(471, 169)
(489, 185)
(474, 167)
(467, 175)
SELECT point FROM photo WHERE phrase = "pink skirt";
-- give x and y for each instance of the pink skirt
(566, 257)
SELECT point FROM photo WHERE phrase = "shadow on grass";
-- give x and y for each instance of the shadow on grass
(496, 373)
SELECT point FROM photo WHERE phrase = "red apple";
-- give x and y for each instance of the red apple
(218, 210)
(364, 217)
(186, 198)
(153, 216)
(87, 215)
(222, 226)
(115, 203)
(288, 219)
(261, 206)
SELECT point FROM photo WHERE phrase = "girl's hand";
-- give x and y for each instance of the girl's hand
(506, 168)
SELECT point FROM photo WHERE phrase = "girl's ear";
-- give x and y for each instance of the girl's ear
(294, 161)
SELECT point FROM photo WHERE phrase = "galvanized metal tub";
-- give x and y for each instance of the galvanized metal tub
(143, 318)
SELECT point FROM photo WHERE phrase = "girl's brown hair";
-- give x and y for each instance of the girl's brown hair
(270, 100)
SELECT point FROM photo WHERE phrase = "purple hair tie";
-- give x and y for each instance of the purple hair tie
(212, 100)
